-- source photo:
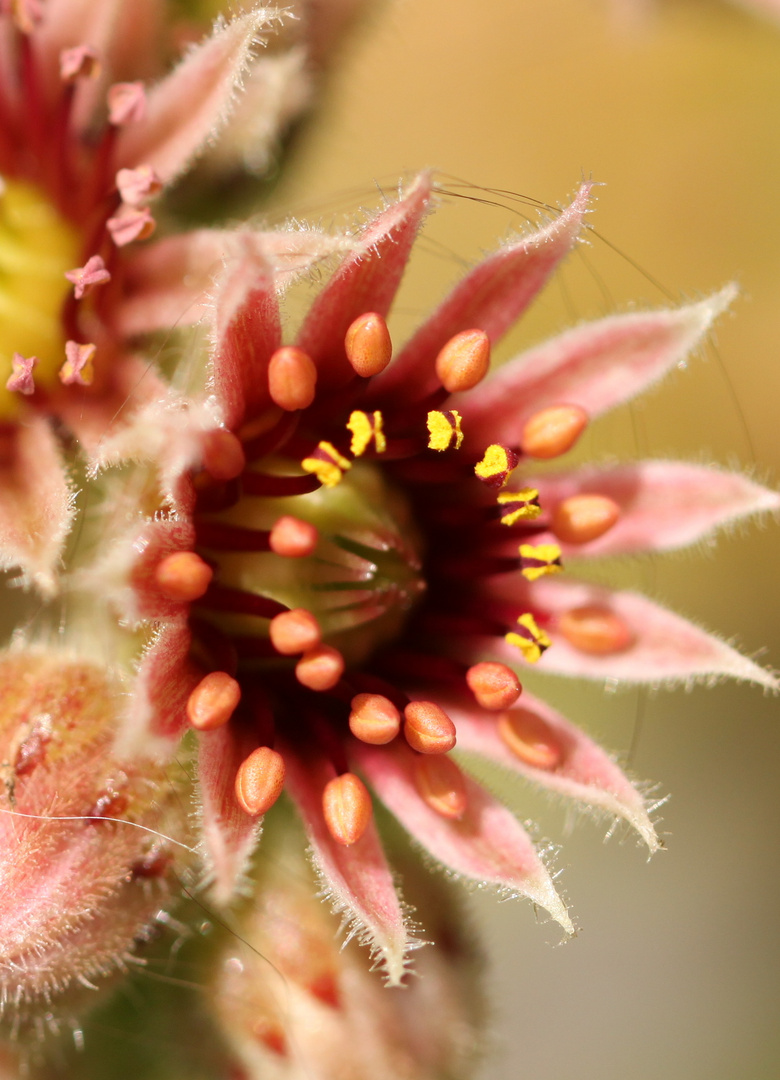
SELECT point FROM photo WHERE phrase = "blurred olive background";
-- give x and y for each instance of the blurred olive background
(675, 108)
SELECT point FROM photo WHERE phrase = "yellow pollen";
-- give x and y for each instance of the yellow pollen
(443, 428)
(496, 465)
(364, 428)
(539, 560)
(37, 247)
(519, 505)
(531, 641)
(327, 464)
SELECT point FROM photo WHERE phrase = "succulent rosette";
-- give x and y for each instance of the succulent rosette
(322, 557)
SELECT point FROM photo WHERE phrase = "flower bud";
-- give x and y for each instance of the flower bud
(294, 1005)
(85, 858)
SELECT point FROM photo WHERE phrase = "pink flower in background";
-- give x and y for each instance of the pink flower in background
(89, 145)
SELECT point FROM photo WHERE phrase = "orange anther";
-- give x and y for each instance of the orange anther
(494, 685)
(584, 517)
(294, 632)
(553, 431)
(292, 378)
(374, 719)
(463, 361)
(320, 668)
(259, 780)
(368, 345)
(428, 728)
(223, 455)
(346, 805)
(530, 738)
(292, 537)
(441, 784)
(596, 630)
(213, 701)
(183, 576)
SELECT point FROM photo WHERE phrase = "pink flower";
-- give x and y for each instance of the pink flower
(317, 555)
(354, 566)
(86, 152)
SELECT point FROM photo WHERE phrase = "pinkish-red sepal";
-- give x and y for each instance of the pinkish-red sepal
(487, 844)
(228, 834)
(597, 366)
(666, 648)
(367, 280)
(491, 298)
(246, 331)
(663, 504)
(356, 879)
(187, 109)
(36, 503)
(584, 772)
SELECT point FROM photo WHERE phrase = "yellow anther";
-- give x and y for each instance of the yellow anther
(538, 560)
(529, 639)
(519, 505)
(496, 465)
(327, 464)
(364, 428)
(443, 428)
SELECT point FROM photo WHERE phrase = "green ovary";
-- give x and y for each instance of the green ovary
(37, 246)
(365, 575)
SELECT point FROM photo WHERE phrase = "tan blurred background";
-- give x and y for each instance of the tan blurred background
(675, 108)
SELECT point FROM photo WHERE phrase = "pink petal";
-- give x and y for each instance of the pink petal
(367, 280)
(247, 330)
(663, 504)
(585, 773)
(151, 543)
(597, 365)
(156, 714)
(357, 879)
(188, 108)
(666, 649)
(167, 283)
(487, 844)
(491, 298)
(229, 835)
(36, 503)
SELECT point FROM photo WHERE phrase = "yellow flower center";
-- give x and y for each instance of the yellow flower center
(37, 246)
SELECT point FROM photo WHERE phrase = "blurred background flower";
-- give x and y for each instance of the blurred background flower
(674, 973)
